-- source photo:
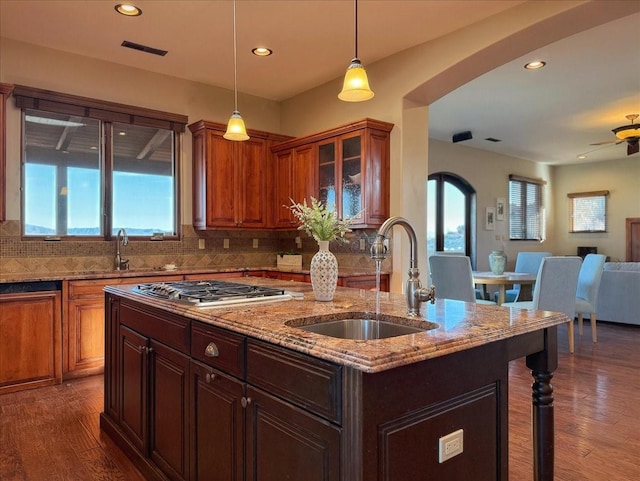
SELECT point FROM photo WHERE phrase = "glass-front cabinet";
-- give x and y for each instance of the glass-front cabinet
(340, 169)
(352, 169)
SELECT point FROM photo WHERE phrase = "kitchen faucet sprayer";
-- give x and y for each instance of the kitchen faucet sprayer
(121, 239)
(415, 293)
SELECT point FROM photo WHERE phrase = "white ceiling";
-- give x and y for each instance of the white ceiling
(589, 85)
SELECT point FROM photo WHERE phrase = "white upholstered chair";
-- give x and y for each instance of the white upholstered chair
(453, 278)
(587, 291)
(526, 263)
(555, 289)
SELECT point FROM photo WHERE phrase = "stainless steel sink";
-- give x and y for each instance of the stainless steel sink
(363, 327)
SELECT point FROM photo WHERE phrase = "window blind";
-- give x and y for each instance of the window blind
(526, 212)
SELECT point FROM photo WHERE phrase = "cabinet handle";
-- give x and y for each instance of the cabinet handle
(211, 350)
(210, 376)
(245, 401)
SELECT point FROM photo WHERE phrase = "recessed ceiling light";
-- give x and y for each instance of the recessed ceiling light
(128, 10)
(535, 65)
(582, 156)
(262, 51)
(122, 132)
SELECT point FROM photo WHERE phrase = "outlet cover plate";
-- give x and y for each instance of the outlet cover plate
(450, 445)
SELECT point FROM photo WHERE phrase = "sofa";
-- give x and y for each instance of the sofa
(619, 294)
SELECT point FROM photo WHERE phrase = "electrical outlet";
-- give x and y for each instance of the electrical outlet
(298, 242)
(363, 244)
(225, 243)
(450, 445)
(255, 243)
(200, 243)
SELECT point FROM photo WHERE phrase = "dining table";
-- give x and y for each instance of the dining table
(488, 278)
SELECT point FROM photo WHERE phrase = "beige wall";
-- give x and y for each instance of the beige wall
(622, 179)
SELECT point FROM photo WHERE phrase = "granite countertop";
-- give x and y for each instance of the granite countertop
(460, 325)
(108, 274)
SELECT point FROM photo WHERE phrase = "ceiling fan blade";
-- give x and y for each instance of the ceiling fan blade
(605, 142)
(633, 147)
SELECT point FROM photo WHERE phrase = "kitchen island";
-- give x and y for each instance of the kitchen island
(233, 393)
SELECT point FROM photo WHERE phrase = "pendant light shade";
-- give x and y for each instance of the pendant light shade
(236, 129)
(356, 84)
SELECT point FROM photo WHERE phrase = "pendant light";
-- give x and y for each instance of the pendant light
(356, 85)
(235, 128)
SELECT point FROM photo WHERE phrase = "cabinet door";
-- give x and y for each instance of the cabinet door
(282, 184)
(169, 410)
(327, 168)
(30, 340)
(112, 404)
(133, 370)
(217, 425)
(221, 183)
(251, 189)
(351, 175)
(375, 177)
(304, 176)
(85, 346)
(285, 442)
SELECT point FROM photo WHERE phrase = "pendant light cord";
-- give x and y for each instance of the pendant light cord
(235, 60)
(355, 3)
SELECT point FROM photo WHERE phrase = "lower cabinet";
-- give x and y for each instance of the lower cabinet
(30, 338)
(217, 425)
(286, 442)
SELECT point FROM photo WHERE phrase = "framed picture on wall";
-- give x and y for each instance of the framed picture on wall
(500, 208)
(490, 218)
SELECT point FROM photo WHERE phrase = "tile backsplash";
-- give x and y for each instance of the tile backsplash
(28, 256)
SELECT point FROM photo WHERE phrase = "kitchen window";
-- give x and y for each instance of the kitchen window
(526, 209)
(92, 167)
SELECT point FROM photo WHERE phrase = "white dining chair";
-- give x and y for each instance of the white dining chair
(555, 289)
(452, 277)
(587, 291)
(526, 263)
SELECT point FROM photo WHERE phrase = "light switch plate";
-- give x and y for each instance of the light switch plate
(255, 243)
(225, 243)
(200, 243)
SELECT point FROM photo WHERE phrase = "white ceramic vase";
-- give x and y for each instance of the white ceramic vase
(324, 273)
(497, 262)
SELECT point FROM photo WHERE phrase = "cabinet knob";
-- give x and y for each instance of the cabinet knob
(245, 401)
(210, 376)
(211, 350)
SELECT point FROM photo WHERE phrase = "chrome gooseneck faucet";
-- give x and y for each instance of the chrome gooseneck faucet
(415, 293)
(121, 239)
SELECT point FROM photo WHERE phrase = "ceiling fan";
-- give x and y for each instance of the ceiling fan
(626, 133)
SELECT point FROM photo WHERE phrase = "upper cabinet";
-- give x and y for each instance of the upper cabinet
(350, 170)
(5, 92)
(230, 181)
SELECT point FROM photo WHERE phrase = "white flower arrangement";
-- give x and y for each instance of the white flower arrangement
(319, 222)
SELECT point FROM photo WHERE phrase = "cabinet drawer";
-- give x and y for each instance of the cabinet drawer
(308, 382)
(226, 350)
(166, 328)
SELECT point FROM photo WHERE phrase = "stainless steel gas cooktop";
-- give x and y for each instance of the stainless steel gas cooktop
(211, 293)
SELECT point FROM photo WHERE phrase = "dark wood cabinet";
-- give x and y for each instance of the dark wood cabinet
(230, 179)
(217, 425)
(351, 170)
(286, 442)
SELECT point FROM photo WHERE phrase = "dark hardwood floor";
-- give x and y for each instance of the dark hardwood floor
(52, 433)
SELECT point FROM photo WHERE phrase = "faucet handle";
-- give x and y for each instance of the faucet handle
(124, 264)
(424, 294)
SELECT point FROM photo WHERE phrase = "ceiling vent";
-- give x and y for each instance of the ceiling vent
(144, 48)
(492, 139)
(460, 136)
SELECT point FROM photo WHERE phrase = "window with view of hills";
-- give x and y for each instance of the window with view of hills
(88, 175)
